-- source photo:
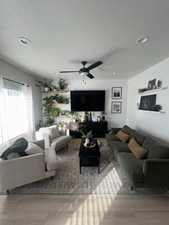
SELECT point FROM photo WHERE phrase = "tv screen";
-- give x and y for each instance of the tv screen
(148, 102)
(87, 101)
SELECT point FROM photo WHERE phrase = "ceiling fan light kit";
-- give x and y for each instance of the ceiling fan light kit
(85, 71)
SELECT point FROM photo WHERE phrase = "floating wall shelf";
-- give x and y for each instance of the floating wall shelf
(153, 90)
(56, 92)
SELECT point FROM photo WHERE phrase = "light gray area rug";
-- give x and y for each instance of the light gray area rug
(68, 180)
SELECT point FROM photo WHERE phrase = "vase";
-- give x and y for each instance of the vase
(46, 89)
(87, 141)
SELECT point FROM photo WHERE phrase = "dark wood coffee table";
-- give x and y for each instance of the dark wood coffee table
(89, 157)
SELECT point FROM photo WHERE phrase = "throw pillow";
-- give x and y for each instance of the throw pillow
(54, 132)
(138, 151)
(122, 136)
(33, 149)
(126, 129)
(18, 146)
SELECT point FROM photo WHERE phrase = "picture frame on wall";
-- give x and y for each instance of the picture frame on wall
(116, 107)
(116, 92)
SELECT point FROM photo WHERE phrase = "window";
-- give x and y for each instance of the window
(15, 110)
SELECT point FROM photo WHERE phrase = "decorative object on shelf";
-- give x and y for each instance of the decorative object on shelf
(46, 85)
(152, 85)
(116, 92)
(157, 108)
(116, 107)
(62, 84)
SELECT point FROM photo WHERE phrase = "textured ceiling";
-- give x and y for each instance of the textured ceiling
(65, 32)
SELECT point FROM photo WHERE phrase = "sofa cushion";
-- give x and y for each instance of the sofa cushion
(111, 137)
(117, 147)
(138, 151)
(128, 130)
(139, 137)
(124, 137)
(18, 147)
(155, 149)
(120, 147)
(131, 167)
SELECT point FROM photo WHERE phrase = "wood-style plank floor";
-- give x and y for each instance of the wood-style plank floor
(83, 210)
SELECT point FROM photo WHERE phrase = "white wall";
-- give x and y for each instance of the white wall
(115, 120)
(14, 73)
(154, 123)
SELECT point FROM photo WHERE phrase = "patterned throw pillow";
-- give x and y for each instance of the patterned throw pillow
(122, 136)
(138, 151)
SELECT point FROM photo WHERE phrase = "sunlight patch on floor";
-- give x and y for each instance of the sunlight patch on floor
(111, 180)
(93, 210)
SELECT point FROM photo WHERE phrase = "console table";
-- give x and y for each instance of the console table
(99, 129)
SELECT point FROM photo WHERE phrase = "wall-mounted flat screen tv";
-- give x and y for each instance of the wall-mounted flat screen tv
(147, 102)
(87, 101)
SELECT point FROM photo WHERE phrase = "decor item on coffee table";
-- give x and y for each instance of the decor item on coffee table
(89, 156)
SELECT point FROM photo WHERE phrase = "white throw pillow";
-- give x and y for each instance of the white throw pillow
(54, 131)
(33, 149)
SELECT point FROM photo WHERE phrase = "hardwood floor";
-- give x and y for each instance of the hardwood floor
(83, 210)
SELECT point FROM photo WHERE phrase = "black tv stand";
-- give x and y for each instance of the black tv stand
(99, 129)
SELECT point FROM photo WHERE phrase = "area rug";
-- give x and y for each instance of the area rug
(68, 180)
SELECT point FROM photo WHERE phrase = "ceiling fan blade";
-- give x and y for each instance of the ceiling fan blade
(69, 71)
(94, 65)
(90, 75)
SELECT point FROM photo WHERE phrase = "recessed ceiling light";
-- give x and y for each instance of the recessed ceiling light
(114, 73)
(24, 40)
(142, 40)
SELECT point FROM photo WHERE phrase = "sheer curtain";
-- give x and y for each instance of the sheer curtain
(16, 114)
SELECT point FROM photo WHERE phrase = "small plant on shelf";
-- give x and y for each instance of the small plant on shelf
(62, 84)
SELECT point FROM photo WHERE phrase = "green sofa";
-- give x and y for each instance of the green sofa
(151, 171)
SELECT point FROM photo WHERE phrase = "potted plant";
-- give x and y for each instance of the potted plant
(87, 137)
(62, 84)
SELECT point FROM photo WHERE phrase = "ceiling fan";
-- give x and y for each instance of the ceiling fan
(85, 70)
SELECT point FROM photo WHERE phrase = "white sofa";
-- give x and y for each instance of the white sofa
(27, 169)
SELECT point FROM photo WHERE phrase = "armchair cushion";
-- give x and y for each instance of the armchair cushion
(33, 149)
(60, 142)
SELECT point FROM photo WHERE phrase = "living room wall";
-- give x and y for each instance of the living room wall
(153, 123)
(11, 72)
(114, 120)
